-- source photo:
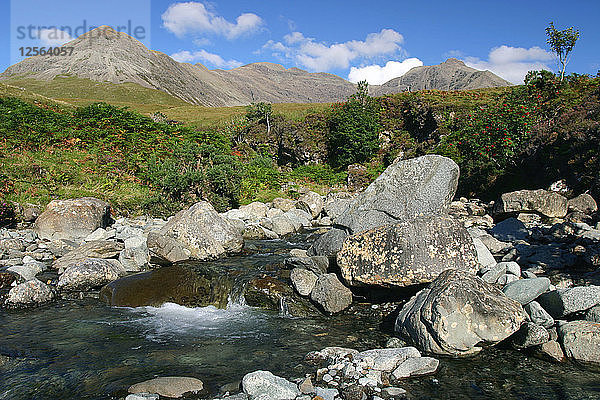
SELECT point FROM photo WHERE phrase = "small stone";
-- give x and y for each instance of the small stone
(530, 335)
(393, 391)
(550, 351)
(526, 290)
(509, 230)
(416, 367)
(168, 386)
(538, 315)
(264, 383)
(326, 394)
(142, 396)
(306, 386)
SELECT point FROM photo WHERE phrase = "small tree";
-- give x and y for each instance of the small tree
(562, 42)
(260, 112)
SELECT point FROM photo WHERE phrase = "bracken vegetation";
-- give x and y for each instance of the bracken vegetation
(504, 138)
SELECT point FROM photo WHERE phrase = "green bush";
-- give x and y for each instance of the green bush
(260, 174)
(353, 129)
(319, 174)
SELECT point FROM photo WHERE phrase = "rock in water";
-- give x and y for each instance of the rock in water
(90, 273)
(30, 293)
(184, 285)
(330, 294)
(72, 219)
(581, 341)
(406, 189)
(543, 202)
(457, 313)
(265, 385)
(168, 386)
(203, 232)
(407, 253)
(303, 280)
(164, 250)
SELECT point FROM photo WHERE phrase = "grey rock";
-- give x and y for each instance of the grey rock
(311, 202)
(168, 386)
(584, 203)
(593, 235)
(530, 335)
(90, 273)
(95, 249)
(506, 279)
(406, 189)
(416, 367)
(331, 294)
(328, 244)
(509, 230)
(299, 218)
(386, 360)
(72, 219)
(269, 386)
(237, 224)
(30, 293)
(284, 204)
(494, 245)
(562, 302)
(484, 256)
(581, 341)
(303, 280)
(593, 314)
(254, 231)
(410, 252)
(491, 275)
(300, 262)
(256, 209)
(282, 225)
(321, 264)
(456, 313)
(203, 232)
(27, 271)
(336, 204)
(326, 393)
(543, 202)
(164, 250)
(142, 396)
(526, 290)
(513, 268)
(538, 315)
(100, 234)
(550, 351)
(136, 256)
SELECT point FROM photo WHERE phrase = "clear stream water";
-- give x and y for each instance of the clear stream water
(86, 350)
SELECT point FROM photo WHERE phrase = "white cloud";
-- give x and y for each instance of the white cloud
(513, 63)
(194, 17)
(376, 75)
(53, 37)
(319, 56)
(205, 57)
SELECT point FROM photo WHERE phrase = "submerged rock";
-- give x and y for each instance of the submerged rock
(72, 219)
(184, 285)
(410, 252)
(458, 313)
(272, 294)
(168, 386)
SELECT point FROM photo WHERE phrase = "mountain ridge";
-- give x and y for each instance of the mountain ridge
(105, 55)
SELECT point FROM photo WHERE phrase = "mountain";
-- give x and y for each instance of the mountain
(105, 55)
(452, 74)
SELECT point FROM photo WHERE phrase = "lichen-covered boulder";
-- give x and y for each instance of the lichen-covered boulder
(30, 293)
(203, 232)
(72, 219)
(457, 314)
(411, 252)
(90, 273)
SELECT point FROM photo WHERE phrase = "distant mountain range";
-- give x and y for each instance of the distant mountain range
(115, 57)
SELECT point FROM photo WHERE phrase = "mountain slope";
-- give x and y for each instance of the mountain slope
(104, 55)
(452, 74)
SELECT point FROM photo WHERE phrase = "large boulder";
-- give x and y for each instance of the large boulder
(168, 386)
(543, 202)
(562, 302)
(136, 256)
(336, 204)
(90, 273)
(331, 294)
(406, 189)
(30, 293)
(203, 232)
(72, 219)
(581, 341)
(180, 284)
(328, 244)
(584, 203)
(457, 314)
(411, 252)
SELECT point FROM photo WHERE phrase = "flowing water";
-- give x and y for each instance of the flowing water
(86, 350)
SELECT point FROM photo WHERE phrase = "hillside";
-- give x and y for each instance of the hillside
(108, 57)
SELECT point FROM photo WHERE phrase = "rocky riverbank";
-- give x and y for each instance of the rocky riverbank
(521, 272)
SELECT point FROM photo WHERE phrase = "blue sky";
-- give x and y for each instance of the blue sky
(374, 40)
